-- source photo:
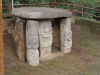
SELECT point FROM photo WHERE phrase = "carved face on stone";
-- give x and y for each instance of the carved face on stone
(68, 40)
(33, 42)
(45, 29)
(34, 45)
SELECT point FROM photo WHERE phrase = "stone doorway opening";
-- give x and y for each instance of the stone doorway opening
(55, 48)
(56, 35)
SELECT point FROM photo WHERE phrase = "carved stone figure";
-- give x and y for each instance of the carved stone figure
(65, 35)
(45, 34)
(32, 57)
(32, 42)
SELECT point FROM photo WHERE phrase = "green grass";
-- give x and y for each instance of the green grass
(70, 64)
(91, 30)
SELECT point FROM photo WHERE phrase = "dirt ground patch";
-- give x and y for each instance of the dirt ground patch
(84, 58)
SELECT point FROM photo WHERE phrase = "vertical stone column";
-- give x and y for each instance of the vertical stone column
(32, 42)
(45, 34)
(65, 35)
(18, 40)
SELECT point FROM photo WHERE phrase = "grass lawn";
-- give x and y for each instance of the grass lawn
(84, 58)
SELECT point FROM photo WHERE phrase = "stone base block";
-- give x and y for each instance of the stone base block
(45, 51)
(34, 63)
(32, 57)
(45, 55)
(65, 50)
(52, 56)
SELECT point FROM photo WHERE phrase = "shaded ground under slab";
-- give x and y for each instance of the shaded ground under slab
(55, 53)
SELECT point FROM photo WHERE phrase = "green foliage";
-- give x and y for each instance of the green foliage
(91, 3)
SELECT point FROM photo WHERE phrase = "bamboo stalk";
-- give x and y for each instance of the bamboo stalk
(5, 8)
(64, 4)
(86, 14)
(54, 3)
(33, 4)
(9, 6)
(1, 42)
(5, 4)
(72, 9)
(51, 3)
(77, 6)
(44, 4)
(82, 12)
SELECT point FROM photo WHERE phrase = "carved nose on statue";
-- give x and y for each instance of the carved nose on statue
(47, 29)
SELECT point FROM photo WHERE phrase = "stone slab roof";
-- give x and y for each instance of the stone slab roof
(40, 12)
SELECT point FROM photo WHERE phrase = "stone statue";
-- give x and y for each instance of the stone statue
(65, 35)
(32, 42)
(45, 34)
(32, 57)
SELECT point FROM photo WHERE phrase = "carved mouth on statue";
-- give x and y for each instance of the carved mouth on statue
(35, 46)
(46, 35)
(67, 43)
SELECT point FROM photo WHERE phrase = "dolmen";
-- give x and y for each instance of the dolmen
(38, 31)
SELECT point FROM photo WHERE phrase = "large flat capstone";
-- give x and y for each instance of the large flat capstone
(40, 12)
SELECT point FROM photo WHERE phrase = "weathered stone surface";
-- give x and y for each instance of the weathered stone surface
(40, 12)
(46, 41)
(65, 35)
(20, 20)
(32, 27)
(18, 40)
(51, 56)
(32, 42)
(33, 57)
(45, 34)
(45, 51)
(7, 23)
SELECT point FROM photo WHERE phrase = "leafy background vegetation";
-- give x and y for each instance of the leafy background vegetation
(91, 3)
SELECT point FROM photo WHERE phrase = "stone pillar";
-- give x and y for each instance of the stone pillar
(18, 40)
(32, 42)
(65, 35)
(45, 34)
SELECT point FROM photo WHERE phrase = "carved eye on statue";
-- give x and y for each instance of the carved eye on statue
(69, 37)
(45, 30)
(35, 45)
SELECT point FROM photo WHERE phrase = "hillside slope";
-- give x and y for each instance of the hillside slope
(84, 58)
